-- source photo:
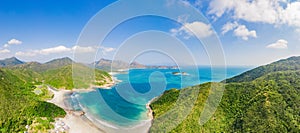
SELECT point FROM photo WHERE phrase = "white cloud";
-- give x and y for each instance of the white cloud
(239, 30)
(12, 42)
(4, 51)
(47, 51)
(196, 28)
(229, 26)
(56, 50)
(280, 44)
(26, 54)
(79, 49)
(266, 11)
(218, 7)
(106, 50)
(242, 31)
(185, 3)
(291, 15)
(183, 18)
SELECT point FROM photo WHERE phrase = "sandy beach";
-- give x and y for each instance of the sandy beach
(80, 122)
(75, 122)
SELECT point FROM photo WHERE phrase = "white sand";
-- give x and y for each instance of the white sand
(81, 124)
(76, 123)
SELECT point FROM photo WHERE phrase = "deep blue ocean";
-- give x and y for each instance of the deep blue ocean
(124, 104)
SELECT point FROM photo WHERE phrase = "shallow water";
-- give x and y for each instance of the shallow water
(124, 104)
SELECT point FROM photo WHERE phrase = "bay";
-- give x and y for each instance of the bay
(123, 105)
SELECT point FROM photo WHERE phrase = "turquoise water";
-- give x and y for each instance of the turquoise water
(124, 104)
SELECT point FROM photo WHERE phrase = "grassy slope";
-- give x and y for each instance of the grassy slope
(267, 103)
(60, 74)
(289, 64)
(83, 77)
(19, 106)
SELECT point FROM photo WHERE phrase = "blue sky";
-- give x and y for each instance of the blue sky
(250, 32)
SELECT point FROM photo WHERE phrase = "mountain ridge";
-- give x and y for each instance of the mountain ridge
(118, 65)
(104, 64)
(10, 62)
(266, 102)
(291, 63)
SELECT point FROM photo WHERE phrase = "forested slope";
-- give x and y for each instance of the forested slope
(266, 99)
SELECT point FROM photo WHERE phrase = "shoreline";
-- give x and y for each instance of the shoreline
(150, 111)
(82, 121)
(74, 121)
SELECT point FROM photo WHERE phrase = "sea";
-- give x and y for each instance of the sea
(124, 105)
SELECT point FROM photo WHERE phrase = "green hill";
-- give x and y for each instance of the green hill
(292, 63)
(83, 77)
(59, 73)
(19, 106)
(265, 99)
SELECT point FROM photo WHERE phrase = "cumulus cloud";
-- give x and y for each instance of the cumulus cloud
(266, 11)
(196, 28)
(229, 26)
(183, 18)
(12, 42)
(106, 50)
(239, 30)
(291, 14)
(56, 50)
(47, 51)
(280, 44)
(4, 51)
(79, 49)
(63, 49)
(185, 3)
(242, 31)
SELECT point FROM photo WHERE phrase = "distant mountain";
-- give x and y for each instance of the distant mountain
(265, 99)
(137, 65)
(40, 67)
(117, 65)
(10, 62)
(292, 63)
(59, 62)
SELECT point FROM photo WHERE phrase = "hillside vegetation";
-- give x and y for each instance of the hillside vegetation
(21, 106)
(265, 99)
(290, 64)
(60, 73)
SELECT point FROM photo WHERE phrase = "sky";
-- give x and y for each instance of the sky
(241, 32)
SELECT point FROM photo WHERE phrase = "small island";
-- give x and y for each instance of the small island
(180, 73)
